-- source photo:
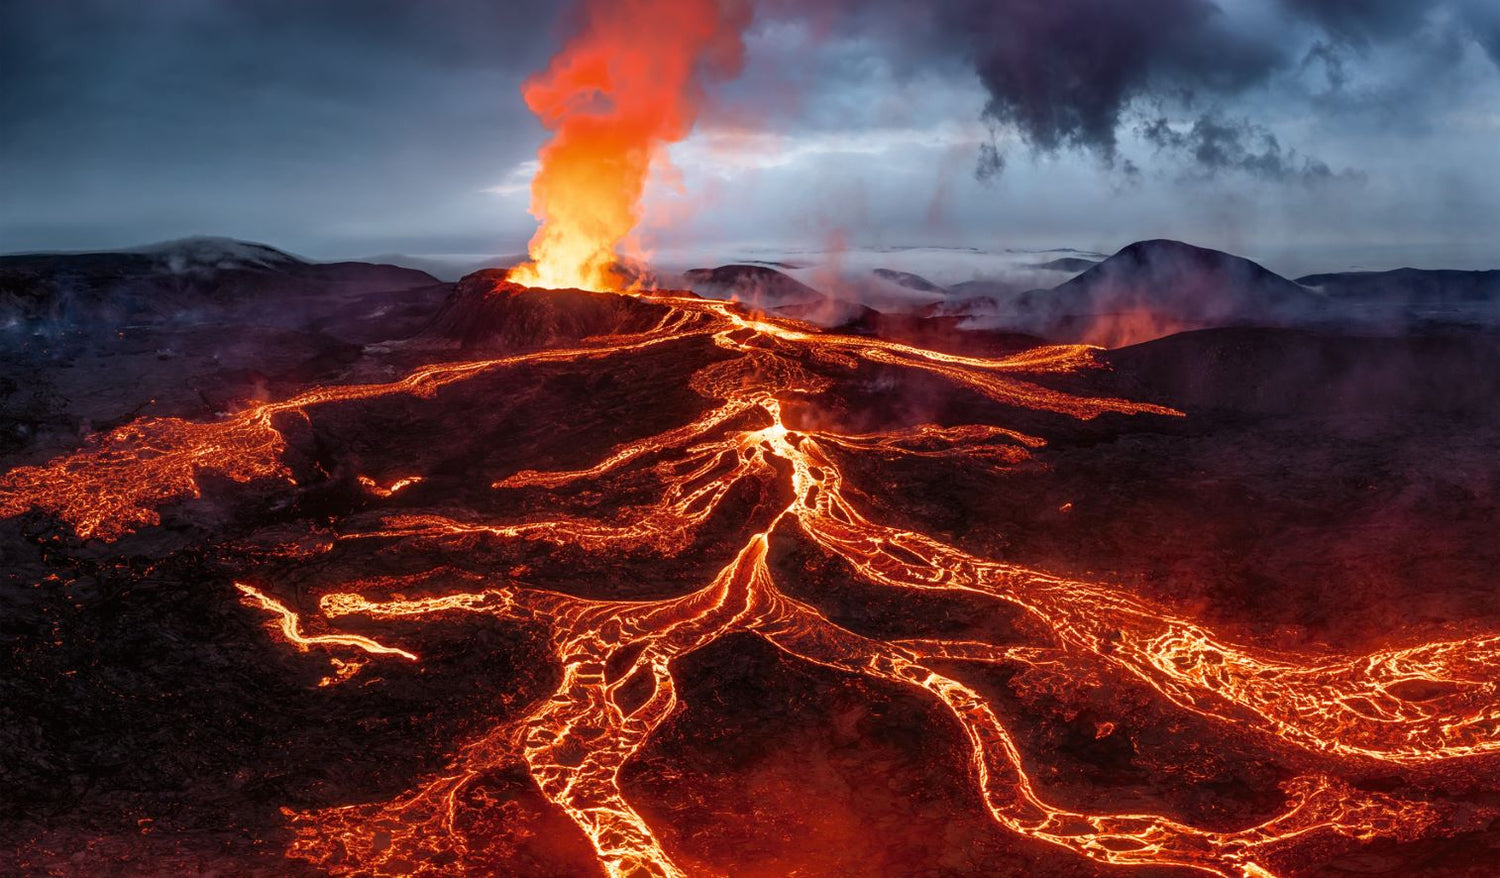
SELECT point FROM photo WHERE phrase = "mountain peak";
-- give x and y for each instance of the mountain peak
(215, 252)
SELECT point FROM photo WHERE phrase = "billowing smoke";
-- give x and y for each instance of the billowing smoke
(1077, 73)
(1216, 144)
(1064, 73)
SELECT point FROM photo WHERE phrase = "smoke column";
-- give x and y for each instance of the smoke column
(625, 86)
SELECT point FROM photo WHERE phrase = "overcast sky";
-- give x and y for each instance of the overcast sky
(1316, 132)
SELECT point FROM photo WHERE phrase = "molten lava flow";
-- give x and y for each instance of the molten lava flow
(394, 488)
(291, 628)
(116, 484)
(617, 658)
(618, 93)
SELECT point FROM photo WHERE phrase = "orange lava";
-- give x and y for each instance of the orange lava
(625, 87)
(390, 490)
(576, 741)
(290, 625)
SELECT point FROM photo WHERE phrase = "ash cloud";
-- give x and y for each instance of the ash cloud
(1076, 74)
(1064, 73)
(1214, 145)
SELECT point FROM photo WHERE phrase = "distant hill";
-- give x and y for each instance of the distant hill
(205, 252)
(908, 280)
(1156, 288)
(180, 280)
(1409, 285)
(1169, 277)
(756, 285)
(446, 269)
(1070, 264)
(977, 299)
(1146, 290)
(762, 287)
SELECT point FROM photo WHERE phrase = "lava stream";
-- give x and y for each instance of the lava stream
(575, 743)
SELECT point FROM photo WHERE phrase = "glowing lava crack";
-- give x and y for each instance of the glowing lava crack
(576, 742)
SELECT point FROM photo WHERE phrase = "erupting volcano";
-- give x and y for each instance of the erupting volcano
(621, 91)
(578, 575)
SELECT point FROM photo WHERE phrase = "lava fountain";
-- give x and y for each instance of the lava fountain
(628, 84)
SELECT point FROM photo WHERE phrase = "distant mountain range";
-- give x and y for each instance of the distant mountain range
(1151, 289)
(1440, 287)
(1155, 288)
(1147, 290)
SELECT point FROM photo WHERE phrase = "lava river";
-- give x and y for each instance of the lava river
(752, 470)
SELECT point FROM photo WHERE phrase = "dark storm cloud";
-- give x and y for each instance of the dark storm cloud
(1484, 20)
(1363, 21)
(1063, 73)
(1214, 144)
(1077, 73)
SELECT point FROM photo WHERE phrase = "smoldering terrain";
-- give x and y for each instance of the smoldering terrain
(1331, 488)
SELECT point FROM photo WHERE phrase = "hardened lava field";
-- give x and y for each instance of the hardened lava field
(647, 584)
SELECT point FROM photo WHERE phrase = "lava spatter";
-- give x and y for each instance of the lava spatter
(617, 658)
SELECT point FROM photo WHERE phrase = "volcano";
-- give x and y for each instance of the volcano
(567, 582)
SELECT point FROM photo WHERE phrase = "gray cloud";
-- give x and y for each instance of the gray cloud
(1064, 73)
(1483, 20)
(1078, 73)
(1215, 144)
(1363, 21)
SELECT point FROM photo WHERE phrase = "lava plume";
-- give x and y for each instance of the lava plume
(747, 475)
(622, 89)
